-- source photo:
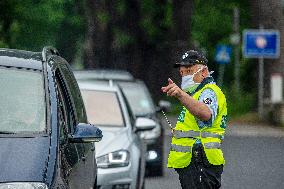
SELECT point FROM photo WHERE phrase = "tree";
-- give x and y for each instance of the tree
(69, 38)
(182, 23)
(269, 15)
(98, 38)
(7, 12)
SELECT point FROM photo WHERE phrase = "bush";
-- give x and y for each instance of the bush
(240, 102)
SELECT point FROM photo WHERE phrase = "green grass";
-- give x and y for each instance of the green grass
(240, 103)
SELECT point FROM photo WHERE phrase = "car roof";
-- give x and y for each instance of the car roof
(90, 85)
(20, 58)
(132, 83)
(103, 74)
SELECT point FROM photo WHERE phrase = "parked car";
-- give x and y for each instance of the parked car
(103, 74)
(142, 105)
(121, 153)
(45, 139)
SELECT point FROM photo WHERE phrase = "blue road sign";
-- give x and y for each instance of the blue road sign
(223, 54)
(261, 43)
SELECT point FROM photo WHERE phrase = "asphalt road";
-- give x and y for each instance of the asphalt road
(254, 159)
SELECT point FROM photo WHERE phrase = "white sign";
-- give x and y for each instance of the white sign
(276, 83)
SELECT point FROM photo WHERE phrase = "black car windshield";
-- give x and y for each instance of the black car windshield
(22, 101)
(138, 97)
(103, 108)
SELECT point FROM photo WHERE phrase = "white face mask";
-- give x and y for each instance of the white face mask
(187, 82)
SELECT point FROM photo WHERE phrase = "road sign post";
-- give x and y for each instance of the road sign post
(260, 86)
(222, 57)
(261, 44)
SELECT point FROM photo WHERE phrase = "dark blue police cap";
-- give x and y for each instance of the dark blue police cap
(191, 57)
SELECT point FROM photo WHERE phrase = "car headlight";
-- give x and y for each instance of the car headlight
(114, 159)
(23, 185)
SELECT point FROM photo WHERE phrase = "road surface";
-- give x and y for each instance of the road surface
(254, 159)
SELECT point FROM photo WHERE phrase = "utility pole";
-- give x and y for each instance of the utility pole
(260, 83)
(236, 43)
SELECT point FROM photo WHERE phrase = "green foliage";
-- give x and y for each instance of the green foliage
(156, 17)
(121, 38)
(33, 24)
(168, 14)
(37, 22)
(103, 17)
(212, 25)
(121, 7)
(240, 103)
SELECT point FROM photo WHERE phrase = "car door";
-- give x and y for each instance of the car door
(86, 169)
(139, 143)
(68, 153)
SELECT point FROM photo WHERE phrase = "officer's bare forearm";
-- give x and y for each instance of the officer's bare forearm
(198, 109)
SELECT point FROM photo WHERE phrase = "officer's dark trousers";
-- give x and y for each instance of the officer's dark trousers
(200, 174)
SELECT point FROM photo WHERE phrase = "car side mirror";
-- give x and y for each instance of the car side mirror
(85, 133)
(164, 105)
(144, 124)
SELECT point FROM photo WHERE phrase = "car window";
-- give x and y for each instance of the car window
(22, 100)
(132, 116)
(103, 108)
(139, 98)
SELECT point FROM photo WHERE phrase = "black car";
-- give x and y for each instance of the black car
(45, 141)
(141, 104)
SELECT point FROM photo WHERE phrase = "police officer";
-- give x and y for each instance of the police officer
(195, 150)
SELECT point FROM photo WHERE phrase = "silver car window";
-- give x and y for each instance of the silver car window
(22, 101)
(138, 98)
(103, 108)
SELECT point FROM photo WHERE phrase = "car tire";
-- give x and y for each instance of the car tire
(95, 184)
(143, 185)
(159, 170)
(155, 170)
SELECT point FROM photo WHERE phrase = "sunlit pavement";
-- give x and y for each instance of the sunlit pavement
(254, 159)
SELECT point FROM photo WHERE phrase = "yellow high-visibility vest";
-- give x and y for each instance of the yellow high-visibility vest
(187, 132)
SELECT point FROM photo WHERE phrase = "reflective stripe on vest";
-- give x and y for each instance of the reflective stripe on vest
(194, 134)
(212, 145)
(180, 148)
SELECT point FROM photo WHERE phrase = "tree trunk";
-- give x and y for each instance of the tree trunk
(89, 46)
(7, 12)
(269, 15)
(97, 53)
(182, 13)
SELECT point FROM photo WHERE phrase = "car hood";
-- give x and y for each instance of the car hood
(113, 139)
(23, 159)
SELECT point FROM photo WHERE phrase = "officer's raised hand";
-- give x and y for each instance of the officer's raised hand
(172, 89)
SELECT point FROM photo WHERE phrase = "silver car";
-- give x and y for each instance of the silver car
(142, 105)
(121, 153)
